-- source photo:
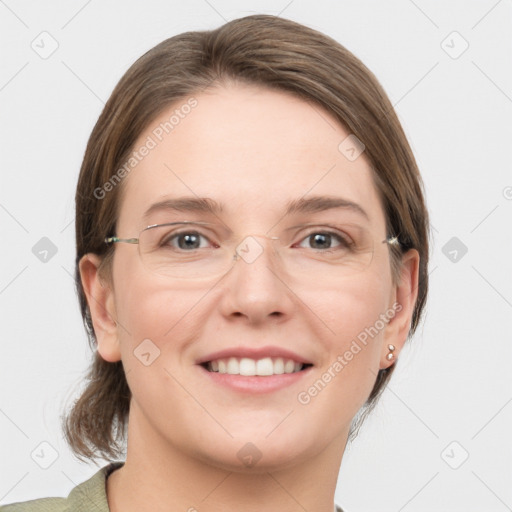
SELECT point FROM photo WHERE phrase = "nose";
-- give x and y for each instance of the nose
(255, 288)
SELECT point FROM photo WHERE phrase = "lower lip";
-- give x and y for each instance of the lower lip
(256, 384)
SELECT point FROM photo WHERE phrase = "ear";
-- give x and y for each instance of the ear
(100, 298)
(403, 301)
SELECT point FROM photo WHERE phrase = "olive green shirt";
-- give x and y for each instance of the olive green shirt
(89, 496)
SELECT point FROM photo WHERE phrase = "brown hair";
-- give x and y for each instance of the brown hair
(263, 50)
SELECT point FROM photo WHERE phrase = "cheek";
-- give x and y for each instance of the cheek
(353, 331)
(349, 369)
(159, 311)
(349, 308)
(158, 324)
(159, 318)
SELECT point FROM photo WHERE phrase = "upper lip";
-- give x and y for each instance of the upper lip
(254, 353)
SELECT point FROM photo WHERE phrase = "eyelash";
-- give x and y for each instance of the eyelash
(343, 240)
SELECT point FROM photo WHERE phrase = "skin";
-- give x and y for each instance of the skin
(252, 149)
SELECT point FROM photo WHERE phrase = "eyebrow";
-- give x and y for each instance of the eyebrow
(317, 204)
(186, 204)
(313, 204)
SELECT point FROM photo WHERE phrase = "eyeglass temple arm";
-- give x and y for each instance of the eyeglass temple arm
(113, 239)
(392, 240)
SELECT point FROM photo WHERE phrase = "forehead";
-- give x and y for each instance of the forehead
(251, 149)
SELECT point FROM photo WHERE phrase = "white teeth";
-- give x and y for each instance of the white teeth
(250, 367)
(232, 367)
(247, 366)
(278, 366)
(265, 367)
(289, 366)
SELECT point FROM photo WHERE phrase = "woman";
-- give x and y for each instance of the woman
(252, 254)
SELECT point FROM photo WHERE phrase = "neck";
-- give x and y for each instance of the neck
(160, 476)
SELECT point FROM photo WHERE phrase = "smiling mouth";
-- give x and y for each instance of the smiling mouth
(264, 367)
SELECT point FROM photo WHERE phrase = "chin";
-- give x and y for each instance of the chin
(252, 451)
(249, 458)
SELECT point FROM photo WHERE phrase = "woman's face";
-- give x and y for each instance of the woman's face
(253, 151)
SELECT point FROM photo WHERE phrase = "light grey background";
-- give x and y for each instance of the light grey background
(451, 394)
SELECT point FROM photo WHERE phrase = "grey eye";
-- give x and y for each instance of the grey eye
(186, 240)
(324, 240)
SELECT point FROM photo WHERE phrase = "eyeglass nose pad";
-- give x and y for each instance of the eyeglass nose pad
(250, 249)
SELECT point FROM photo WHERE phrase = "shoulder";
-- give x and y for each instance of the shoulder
(88, 495)
(40, 505)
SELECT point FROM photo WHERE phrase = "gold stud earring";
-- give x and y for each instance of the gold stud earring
(390, 356)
